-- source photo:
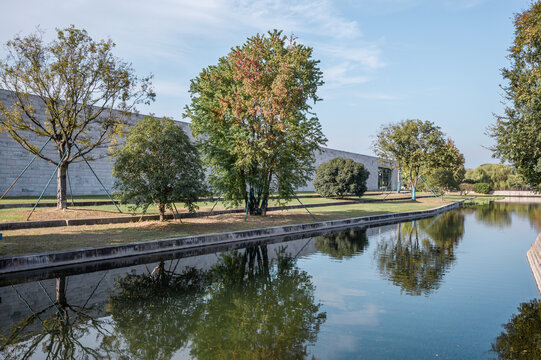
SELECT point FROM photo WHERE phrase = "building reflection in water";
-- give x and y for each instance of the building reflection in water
(247, 305)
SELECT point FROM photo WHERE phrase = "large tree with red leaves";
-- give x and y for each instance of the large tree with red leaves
(252, 117)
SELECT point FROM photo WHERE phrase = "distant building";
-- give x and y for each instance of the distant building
(13, 159)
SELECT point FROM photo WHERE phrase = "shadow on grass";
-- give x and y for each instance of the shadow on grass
(65, 238)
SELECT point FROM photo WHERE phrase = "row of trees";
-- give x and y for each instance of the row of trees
(498, 176)
(250, 114)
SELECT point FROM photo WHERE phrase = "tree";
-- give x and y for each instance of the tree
(420, 254)
(258, 310)
(517, 132)
(87, 93)
(252, 118)
(158, 165)
(415, 146)
(450, 172)
(340, 177)
(173, 304)
(58, 330)
(499, 176)
(247, 306)
(521, 338)
(346, 244)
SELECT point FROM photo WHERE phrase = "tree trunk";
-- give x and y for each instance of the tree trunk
(161, 209)
(413, 188)
(264, 205)
(266, 193)
(61, 188)
(61, 291)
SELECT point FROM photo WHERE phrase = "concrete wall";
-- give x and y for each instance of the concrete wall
(13, 159)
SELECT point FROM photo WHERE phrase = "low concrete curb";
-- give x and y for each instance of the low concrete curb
(516, 193)
(47, 260)
(534, 258)
(136, 218)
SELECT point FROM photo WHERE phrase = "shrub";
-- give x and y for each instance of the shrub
(339, 177)
(482, 188)
(466, 187)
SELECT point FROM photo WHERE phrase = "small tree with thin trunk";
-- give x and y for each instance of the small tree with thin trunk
(415, 146)
(88, 95)
(158, 165)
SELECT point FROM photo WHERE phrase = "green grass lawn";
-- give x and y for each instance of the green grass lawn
(110, 210)
(21, 214)
(27, 241)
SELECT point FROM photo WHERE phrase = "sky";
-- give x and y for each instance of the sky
(383, 61)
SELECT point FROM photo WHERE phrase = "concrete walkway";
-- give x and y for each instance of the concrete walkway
(534, 258)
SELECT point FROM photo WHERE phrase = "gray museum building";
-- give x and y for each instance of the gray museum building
(13, 159)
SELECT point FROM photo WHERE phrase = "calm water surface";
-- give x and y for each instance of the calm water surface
(438, 288)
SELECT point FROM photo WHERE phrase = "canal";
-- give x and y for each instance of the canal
(446, 287)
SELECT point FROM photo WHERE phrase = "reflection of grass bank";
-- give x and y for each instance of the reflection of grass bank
(27, 241)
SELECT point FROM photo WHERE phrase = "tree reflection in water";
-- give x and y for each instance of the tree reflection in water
(61, 330)
(418, 256)
(245, 307)
(521, 338)
(156, 313)
(500, 213)
(343, 245)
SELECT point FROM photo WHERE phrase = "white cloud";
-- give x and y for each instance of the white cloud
(368, 316)
(368, 57)
(168, 36)
(341, 75)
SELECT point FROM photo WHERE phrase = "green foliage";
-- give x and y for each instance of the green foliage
(87, 94)
(419, 148)
(344, 244)
(482, 188)
(246, 307)
(518, 131)
(172, 304)
(521, 338)
(258, 311)
(252, 118)
(499, 176)
(339, 177)
(420, 254)
(158, 165)
(449, 171)
(466, 188)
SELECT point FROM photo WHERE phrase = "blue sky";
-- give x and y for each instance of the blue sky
(383, 60)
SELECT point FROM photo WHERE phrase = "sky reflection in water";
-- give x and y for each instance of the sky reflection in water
(439, 287)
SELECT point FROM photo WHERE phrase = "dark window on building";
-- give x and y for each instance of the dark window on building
(384, 178)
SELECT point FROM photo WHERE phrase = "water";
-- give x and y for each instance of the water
(438, 288)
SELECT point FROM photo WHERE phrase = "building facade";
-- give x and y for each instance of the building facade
(13, 159)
